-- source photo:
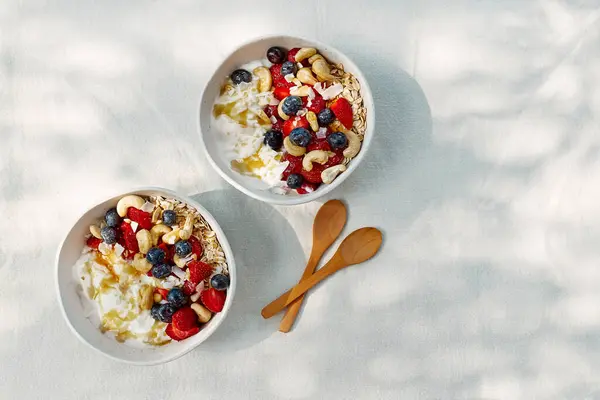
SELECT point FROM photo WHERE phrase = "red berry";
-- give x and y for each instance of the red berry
(293, 123)
(199, 271)
(314, 175)
(163, 292)
(318, 144)
(184, 319)
(317, 104)
(292, 56)
(128, 239)
(281, 92)
(188, 288)
(271, 110)
(169, 252)
(343, 111)
(196, 246)
(335, 159)
(307, 187)
(278, 79)
(93, 242)
(294, 167)
(143, 218)
(213, 299)
(178, 335)
(278, 126)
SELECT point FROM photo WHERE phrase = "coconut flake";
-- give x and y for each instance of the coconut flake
(178, 272)
(147, 207)
(194, 298)
(322, 133)
(104, 248)
(200, 287)
(273, 119)
(274, 102)
(300, 65)
(302, 112)
(134, 225)
(289, 77)
(332, 91)
(119, 249)
(311, 93)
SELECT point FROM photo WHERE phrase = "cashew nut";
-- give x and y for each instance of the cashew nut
(353, 144)
(158, 231)
(305, 53)
(203, 314)
(156, 215)
(140, 263)
(305, 75)
(283, 115)
(311, 117)
(146, 294)
(129, 201)
(329, 174)
(188, 226)
(144, 239)
(265, 81)
(95, 231)
(301, 91)
(320, 156)
(322, 70)
(292, 148)
(316, 57)
(171, 237)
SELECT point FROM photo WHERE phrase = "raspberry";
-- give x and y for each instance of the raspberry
(199, 271)
(93, 242)
(196, 246)
(184, 319)
(188, 288)
(294, 167)
(127, 238)
(317, 104)
(143, 218)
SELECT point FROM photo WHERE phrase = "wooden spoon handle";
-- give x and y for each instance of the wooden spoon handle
(335, 264)
(292, 311)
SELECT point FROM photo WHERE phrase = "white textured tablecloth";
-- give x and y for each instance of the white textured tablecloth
(484, 176)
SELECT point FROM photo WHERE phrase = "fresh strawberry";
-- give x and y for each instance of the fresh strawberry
(314, 175)
(294, 167)
(281, 92)
(162, 292)
(189, 288)
(196, 246)
(213, 299)
(307, 188)
(270, 110)
(335, 159)
(143, 218)
(184, 319)
(93, 242)
(128, 239)
(169, 252)
(199, 271)
(277, 126)
(292, 56)
(317, 104)
(293, 123)
(318, 144)
(178, 335)
(343, 111)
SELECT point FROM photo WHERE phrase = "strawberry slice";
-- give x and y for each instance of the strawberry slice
(185, 319)
(343, 111)
(307, 188)
(335, 159)
(128, 239)
(143, 218)
(213, 299)
(318, 144)
(93, 242)
(199, 271)
(294, 167)
(189, 288)
(196, 246)
(178, 335)
(169, 252)
(293, 123)
(317, 104)
(292, 57)
(314, 175)
(281, 92)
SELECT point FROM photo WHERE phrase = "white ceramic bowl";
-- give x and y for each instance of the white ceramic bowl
(72, 307)
(256, 50)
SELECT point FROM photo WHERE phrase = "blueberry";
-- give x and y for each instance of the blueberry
(287, 68)
(183, 248)
(276, 55)
(109, 235)
(155, 255)
(112, 218)
(325, 117)
(177, 298)
(169, 217)
(294, 181)
(300, 137)
(161, 271)
(291, 105)
(274, 139)
(337, 140)
(163, 313)
(241, 75)
(219, 282)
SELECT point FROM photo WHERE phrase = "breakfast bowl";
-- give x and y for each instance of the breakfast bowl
(286, 120)
(146, 276)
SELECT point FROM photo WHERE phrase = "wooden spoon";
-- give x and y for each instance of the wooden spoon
(328, 225)
(357, 247)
